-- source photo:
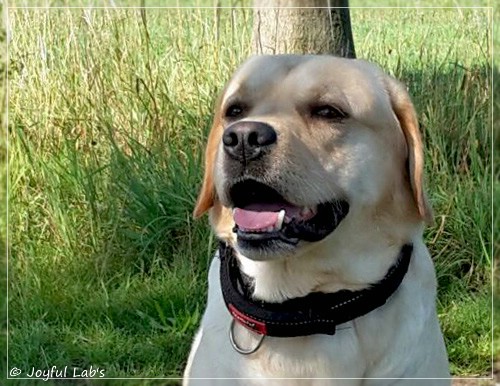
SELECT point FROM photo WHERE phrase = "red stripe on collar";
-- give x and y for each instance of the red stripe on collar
(246, 321)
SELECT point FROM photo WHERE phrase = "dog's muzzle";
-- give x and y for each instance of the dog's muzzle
(266, 221)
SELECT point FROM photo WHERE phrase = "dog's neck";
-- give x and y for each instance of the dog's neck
(334, 264)
(318, 312)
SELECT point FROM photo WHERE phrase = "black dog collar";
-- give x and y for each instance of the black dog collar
(315, 313)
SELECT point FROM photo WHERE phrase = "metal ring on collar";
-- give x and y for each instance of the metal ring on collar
(238, 348)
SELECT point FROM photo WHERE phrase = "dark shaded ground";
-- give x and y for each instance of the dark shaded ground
(481, 382)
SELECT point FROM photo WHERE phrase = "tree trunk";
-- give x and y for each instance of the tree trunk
(318, 27)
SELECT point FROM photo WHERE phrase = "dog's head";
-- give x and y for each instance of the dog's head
(300, 144)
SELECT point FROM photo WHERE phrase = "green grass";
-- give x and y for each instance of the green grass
(3, 190)
(496, 196)
(108, 114)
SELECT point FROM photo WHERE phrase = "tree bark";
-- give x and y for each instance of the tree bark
(310, 27)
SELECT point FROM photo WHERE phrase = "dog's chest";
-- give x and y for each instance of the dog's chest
(316, 356)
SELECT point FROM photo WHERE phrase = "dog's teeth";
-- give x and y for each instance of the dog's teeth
(307, 211)
(281, 217)
(270, 229)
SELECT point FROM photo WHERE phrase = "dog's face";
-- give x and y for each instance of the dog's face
(300, 144)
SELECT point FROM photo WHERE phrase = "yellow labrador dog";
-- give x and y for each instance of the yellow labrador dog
(313, 184)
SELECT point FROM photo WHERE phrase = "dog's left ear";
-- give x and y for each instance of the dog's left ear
(407, 117)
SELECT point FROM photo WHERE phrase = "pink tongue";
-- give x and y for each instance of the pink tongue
(263, 215)
(254, 220)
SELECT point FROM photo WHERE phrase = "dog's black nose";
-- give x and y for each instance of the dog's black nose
(245, 141)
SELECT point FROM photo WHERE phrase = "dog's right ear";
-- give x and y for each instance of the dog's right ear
(207, 195)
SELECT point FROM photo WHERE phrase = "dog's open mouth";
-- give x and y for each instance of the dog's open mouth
(262, 216)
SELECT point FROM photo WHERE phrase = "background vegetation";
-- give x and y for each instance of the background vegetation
(108, 115)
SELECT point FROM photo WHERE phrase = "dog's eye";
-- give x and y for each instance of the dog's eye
(234, 111)
(328, 112)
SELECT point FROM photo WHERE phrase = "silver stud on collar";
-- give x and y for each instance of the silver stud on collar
(237, 348)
